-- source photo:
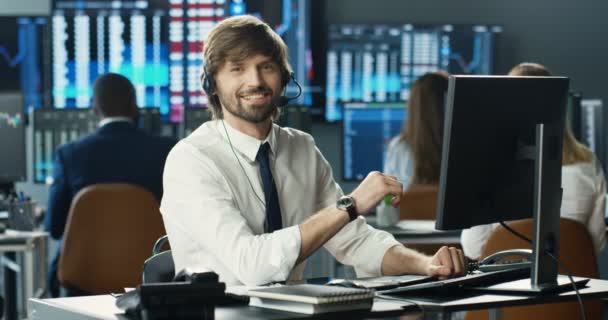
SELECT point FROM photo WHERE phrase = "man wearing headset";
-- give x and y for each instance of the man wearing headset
(250, 200)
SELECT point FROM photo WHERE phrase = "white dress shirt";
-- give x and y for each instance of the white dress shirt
(214, 213)
(583, 200)
(107, 120)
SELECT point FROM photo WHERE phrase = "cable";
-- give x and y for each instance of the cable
(244, 172)
(387, 297)
(578, 296)
(563, 265)
(519, 235)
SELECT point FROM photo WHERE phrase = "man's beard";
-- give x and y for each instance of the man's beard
(255, 113)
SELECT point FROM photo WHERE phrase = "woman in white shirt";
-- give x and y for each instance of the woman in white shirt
(583, 184)
(414, 156)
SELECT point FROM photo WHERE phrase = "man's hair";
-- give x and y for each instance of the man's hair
(235, 39)
(573, 151)
(114, 96)
(423, 130)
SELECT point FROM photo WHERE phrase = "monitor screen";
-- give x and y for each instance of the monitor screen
(22, 57)
(158, 46)
(12, 137)
(55, 127)
(90, 38)
(379, 63)
(366, 132)
(488, 160)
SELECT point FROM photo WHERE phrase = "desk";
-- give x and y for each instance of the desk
(33, 247)
(102, 307)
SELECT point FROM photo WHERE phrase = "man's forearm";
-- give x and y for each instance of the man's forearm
(401, 260)
(319, 228)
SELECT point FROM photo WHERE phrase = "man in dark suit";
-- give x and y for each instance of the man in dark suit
(118, 152)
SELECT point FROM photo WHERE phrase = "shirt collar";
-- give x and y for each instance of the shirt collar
(107, 120)
(245, 144)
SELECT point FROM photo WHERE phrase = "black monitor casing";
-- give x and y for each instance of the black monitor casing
(502, 157)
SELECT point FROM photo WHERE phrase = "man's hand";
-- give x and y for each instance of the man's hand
(447, 262)
(373, 189)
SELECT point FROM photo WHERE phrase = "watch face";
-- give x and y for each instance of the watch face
(345, 202)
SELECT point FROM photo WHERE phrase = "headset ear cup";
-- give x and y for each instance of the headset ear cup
(287, 76)
(208, 83)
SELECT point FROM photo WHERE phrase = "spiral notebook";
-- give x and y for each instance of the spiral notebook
(311, 299)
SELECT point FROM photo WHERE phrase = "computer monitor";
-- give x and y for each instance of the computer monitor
(24, 55)
(367, 130)
(502, 159)
(12, 138)
(158, 45)
(378, 63)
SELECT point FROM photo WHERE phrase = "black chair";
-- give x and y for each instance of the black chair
(159, 267)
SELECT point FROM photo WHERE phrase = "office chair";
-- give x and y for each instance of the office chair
(109, 232)
(576, 252)
(419, 202)
(159, 267)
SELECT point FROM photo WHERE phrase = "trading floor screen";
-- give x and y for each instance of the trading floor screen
(12, 137)
(22, 57)
(157, 44)
(379, 63)
(367, 130)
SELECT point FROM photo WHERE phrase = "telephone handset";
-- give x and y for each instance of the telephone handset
(520, 258)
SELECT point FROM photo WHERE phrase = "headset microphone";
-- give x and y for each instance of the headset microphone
(283, 100)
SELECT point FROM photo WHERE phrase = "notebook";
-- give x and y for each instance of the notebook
(311, 299)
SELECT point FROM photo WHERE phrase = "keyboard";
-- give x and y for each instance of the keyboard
(381, 283)
(475, 279)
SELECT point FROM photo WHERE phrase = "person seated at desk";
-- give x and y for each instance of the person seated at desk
(583, 185)
(414, 156)
(252, 201)
(117, 152)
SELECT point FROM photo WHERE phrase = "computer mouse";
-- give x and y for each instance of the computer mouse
(342, 283)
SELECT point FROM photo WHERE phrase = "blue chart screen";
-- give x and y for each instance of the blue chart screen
(366, 133)
(90, 38)
(379, 63)
(12, 138)
(21, 57)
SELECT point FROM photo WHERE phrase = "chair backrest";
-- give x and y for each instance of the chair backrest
(576, 252)
(109, 233)
(159, 267)
(419, 202)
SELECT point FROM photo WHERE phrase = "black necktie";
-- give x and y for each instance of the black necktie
(273, 211)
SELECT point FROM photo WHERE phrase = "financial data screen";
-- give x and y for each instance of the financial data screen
(379, 63)
(22, 57)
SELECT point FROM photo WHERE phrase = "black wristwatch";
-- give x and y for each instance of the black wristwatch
(347, 203)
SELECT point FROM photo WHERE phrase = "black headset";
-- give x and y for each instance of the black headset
(208, 84)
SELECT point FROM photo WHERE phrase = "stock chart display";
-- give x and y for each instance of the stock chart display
(22, 49)
(157, 44)
(379, 63)
(12, 137)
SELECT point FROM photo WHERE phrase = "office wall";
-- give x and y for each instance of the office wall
(567, 36)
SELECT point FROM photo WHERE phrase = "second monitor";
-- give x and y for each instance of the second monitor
(502, 158)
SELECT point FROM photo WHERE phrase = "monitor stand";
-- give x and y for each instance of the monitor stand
(544, 272)
(523, 286)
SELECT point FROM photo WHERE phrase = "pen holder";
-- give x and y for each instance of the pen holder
(21, 215)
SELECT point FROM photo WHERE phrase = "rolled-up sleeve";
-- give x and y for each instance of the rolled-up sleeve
(362, 247)
(203, 222)
(357, 244)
